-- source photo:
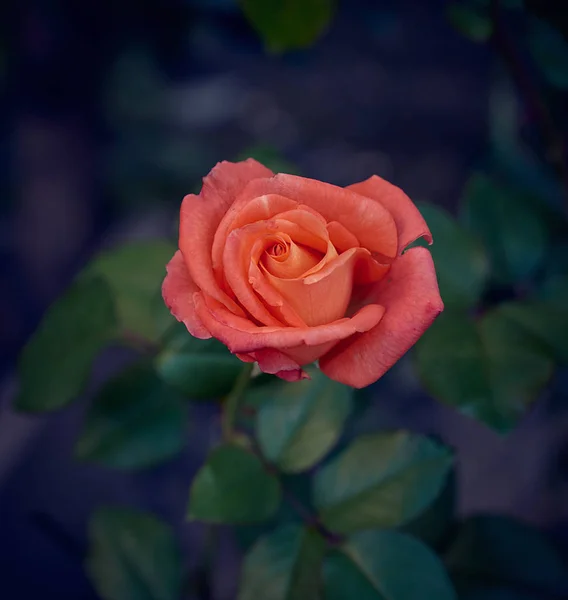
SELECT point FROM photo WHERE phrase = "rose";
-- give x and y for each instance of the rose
(286, 270)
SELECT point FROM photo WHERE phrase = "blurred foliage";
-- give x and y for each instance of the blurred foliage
(494, 554)
(297, 427)
(379, 565)
(407, 473)
(186, 363)
(135, 421)
(134, 272)
(56, 361)
(283, 565)
(289, 24)
(233, 487)
(133, 556)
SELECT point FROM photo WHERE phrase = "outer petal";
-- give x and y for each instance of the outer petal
(412, 301)
(277, 363)
(200, 216)
(409, 222)
(242, 336)
(369, 221)
(178, 290)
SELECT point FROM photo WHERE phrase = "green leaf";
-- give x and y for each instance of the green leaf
(56, 362)
(555, 291)
(298, 424)
(385, 565)
(550, 51)
(233, 487)
(546, 321)
(284, 565)
(380, 480)
(200, 369)
(461, 263)
(133, 556)
(471, 21)
(289, 24)
(501, 551)
(433, 525)
(136, 421)
(511, 226)
(491, 370)
(135, 273)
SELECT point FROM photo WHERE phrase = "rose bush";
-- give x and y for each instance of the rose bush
(286, 270)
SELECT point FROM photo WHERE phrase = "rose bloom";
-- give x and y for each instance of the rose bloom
(286, 271)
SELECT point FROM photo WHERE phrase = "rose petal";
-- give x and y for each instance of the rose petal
(178, 290)
(239, 255)
(275, 362)
(368, 220)
(341, 237)
(295, 261)
(409, 222)
(241, 335)
(242, 213)
(200, 216)
(323, 297)
(412, 301)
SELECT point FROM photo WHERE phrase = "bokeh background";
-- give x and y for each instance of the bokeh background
(114, 109)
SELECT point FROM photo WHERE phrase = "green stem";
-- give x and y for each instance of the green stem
(231, 404)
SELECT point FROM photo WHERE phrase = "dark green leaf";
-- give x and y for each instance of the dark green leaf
(461, 264)
(550, 51)
(284, 565)
(56, 361)
(289, 24)
(385, 565)
(510, 225)
(497, 550)
(135, 273)
(546, 321)
(434, 524)
(233, 487)
(491, 369)
(473, 22)
(380, 480)
(299, 486)
(136, 421)
(133, 556)
(555, 291)
(201, 369)
(298, 424)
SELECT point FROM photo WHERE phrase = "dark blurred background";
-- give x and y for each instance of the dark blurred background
(113, 110)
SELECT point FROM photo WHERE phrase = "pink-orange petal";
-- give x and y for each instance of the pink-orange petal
(409, 222)
(367, 219)
(275, 362)
(241, 335)
(178, 290)
(341, 237)
(200, 216)
(412, 301)
(246, 209)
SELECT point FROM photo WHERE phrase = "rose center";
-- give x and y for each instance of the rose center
(287, 259)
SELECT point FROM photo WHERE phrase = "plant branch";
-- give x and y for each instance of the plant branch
(529, 91)
(232, 402)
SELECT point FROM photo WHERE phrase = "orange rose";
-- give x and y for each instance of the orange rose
(286, 270)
